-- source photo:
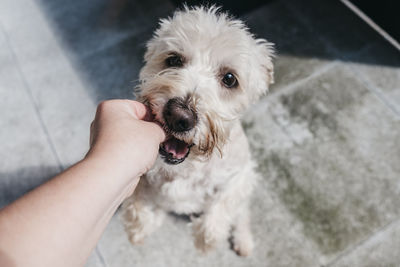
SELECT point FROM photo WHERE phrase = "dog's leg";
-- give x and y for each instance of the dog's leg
(212, 227)
(242, 240)
(227, 209)
(141, 219)
(140, 215)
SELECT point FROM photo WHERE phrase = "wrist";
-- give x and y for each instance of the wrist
(117, 167)
(112, 174)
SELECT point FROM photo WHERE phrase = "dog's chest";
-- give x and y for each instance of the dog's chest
(185, 190)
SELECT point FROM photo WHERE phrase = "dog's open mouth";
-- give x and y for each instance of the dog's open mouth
(174, 151)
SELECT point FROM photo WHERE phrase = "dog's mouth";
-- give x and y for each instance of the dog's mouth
(174, 151)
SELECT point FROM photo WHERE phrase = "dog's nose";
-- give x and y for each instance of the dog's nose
(178, 115)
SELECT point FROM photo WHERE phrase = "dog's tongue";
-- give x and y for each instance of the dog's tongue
(176, 147)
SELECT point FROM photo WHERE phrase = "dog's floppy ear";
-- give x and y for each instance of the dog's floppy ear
(263, 69)
(267, 53)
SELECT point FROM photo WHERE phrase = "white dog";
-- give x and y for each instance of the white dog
(202, 70)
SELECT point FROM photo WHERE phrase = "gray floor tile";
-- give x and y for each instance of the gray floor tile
(87, 27)
(26, 156)
(115, 70)
(381, 250)
(95, 260)
(58, 89)
(345, 146)
(106, 39)
(291, 69)
(338, 26)
(299, 52)
(383, 72)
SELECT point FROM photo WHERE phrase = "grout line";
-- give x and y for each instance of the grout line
(294, 85)
(330, 48)
(371, 23)
(30, 95)
(371, 238)
(290, 89)
(376, 91)
(363, 78)
(101, 258)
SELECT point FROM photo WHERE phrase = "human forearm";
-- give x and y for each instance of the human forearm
(68, 213)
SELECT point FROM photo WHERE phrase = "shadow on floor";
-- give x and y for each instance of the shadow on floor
(21, 181)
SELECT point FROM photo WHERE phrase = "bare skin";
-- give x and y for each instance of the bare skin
(60, 222)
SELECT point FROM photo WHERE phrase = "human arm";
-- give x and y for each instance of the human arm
(60, 222)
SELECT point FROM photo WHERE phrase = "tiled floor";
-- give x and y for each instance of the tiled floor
(327, 137)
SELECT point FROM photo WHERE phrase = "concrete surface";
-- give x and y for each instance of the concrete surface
(327, 137)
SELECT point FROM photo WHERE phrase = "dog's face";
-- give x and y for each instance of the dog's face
(202, 70)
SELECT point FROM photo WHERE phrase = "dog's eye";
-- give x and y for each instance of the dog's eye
(229, 80)
(174, 60)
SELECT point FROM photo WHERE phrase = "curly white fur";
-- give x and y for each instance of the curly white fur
(217, 177)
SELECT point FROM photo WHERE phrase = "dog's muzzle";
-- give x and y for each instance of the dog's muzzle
(179, 118)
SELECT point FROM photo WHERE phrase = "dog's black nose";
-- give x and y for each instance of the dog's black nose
(178, 116)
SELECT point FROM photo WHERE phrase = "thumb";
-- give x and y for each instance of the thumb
(140, 111)
(157, 131)
(143, 112)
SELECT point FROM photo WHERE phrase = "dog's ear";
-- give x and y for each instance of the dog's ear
(266, 52)
(263, 69)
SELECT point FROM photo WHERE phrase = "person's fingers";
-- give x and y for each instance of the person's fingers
(139, 110)
(143, 112)
(158, 131)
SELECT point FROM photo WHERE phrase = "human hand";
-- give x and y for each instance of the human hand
(123, 135)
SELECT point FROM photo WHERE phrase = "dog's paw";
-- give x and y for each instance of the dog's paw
(242, 243)
(140, 219)
(203, 239)
(204, 243)
(136, 238)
